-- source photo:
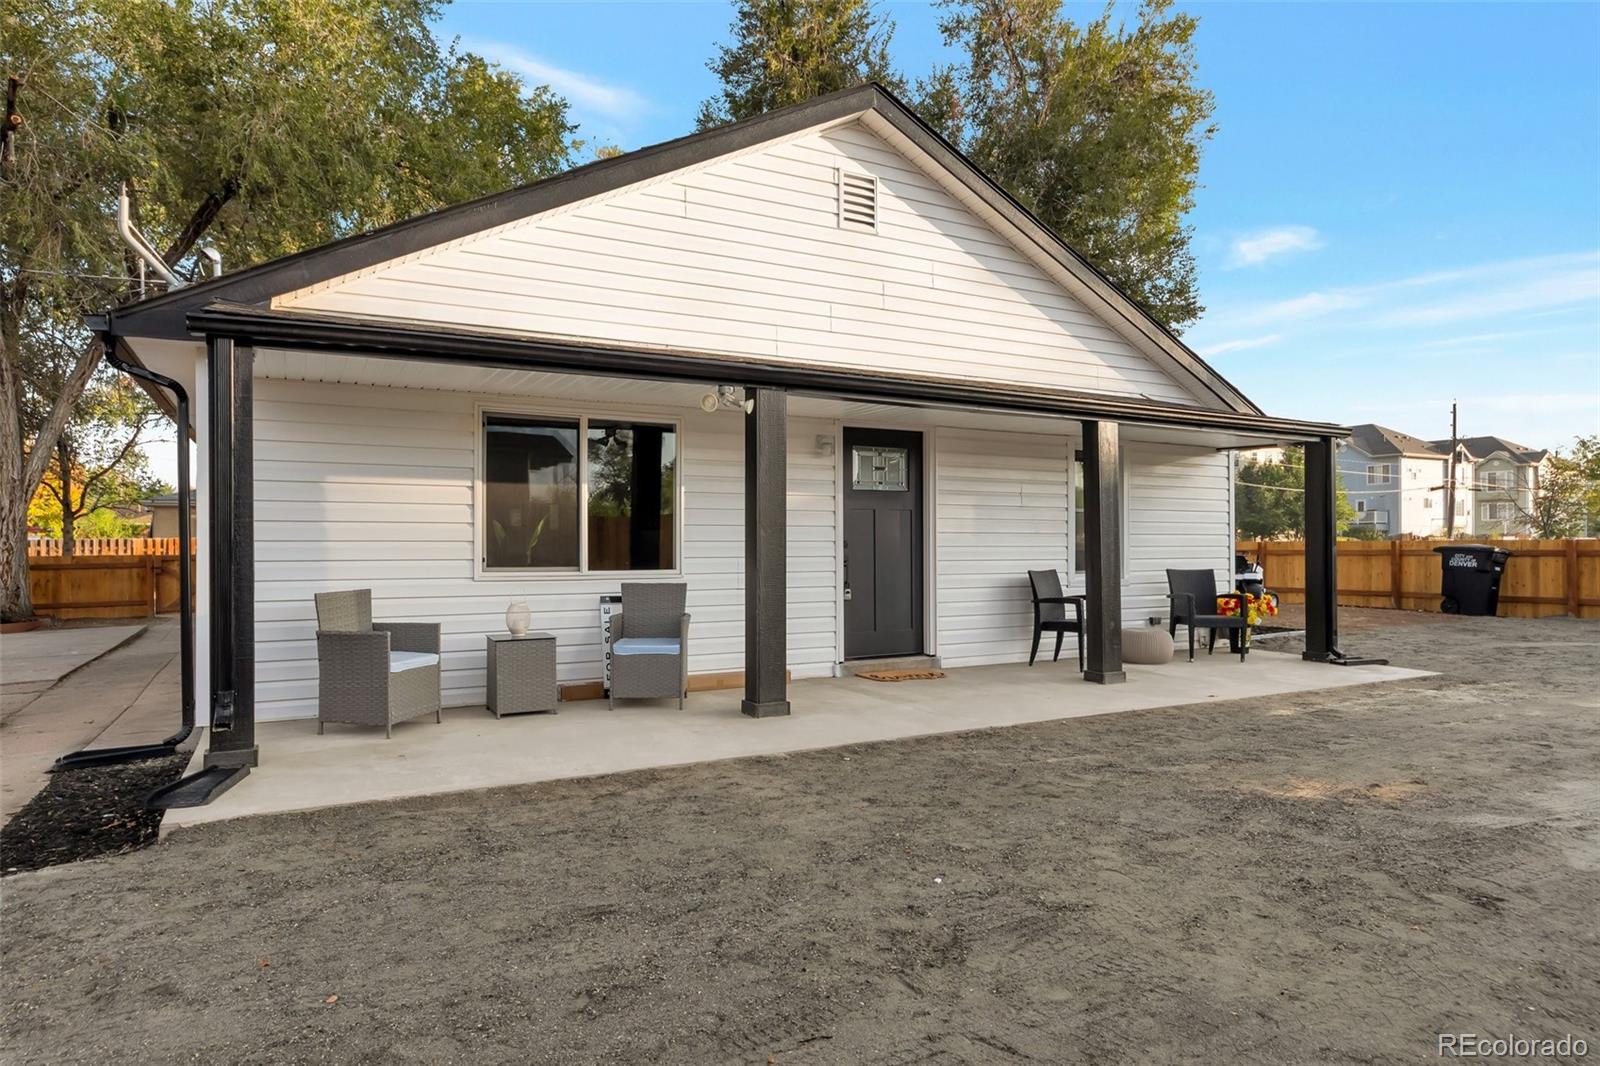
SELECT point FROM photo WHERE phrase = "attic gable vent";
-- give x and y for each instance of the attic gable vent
(858, 201)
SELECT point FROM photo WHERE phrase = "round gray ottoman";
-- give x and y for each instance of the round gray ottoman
(1146, 646)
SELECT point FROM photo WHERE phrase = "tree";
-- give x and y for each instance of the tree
(1097, 129)
(1269, 498)
(98, 468)
(262, 128)
(788, 51)
(1566, 501)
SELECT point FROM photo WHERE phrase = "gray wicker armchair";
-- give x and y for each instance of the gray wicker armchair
(650, 643)
(373, 673)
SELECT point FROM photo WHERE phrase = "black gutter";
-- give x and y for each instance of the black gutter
(265, 327)
(129, 753)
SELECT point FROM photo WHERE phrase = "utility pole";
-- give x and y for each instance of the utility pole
(1450, 478)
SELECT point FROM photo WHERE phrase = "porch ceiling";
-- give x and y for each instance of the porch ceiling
(301, 770)
(324, 348)
(500, 381)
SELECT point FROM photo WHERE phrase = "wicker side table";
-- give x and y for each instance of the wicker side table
(522, 674)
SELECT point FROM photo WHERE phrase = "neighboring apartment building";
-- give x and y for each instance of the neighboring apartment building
(1396, 482)
(1505, 481)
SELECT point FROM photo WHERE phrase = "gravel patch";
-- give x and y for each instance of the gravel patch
(1324, 877)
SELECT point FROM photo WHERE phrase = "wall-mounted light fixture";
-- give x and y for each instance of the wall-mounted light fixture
(725, 398)
(824, 444)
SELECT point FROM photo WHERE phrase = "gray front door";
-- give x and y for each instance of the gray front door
(882, 543)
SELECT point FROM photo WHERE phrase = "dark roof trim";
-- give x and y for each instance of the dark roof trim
(166, 499)
(163, 316)
(328, 333)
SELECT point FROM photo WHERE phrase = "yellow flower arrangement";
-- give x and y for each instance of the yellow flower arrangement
(1255, 607)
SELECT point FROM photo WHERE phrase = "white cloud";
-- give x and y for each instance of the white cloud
(1239, 344)
(1256, 248)
(1509, 295)
(1508, 290)
(585, 93)
(1300, 308)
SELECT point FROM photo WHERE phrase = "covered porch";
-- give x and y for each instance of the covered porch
(1100, 430)
(474, 750)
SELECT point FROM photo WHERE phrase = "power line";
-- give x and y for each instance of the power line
(1258, 485)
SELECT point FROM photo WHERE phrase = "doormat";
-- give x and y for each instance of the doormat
(901, 675)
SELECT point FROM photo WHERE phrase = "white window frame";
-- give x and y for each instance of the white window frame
(1378, 473)
(1497, 511)
(1498, 480)
(1073, 575)
(582, 414)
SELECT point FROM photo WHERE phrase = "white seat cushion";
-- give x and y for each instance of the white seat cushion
(645, 646)
(411, 660)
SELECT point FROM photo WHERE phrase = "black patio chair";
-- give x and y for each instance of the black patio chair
(1193, 595)
(1050, 613)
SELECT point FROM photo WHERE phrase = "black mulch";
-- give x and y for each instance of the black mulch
(98, 810)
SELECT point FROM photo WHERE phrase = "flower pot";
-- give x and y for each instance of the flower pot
(517, 618)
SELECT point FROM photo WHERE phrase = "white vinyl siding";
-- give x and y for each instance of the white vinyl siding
(1004, 507)
(746, 256)
(366, 487)
(361, 486)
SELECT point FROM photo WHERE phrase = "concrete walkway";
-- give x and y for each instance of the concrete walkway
(127, 693)
(472, 749)
(32, 662)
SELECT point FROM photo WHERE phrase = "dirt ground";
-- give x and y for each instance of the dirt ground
(1320, 878)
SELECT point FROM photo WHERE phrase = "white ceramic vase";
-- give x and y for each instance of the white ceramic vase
(517, 618)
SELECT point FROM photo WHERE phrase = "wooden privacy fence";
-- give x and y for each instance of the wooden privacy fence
(104, 586)
(1543, 577)
(50, 547)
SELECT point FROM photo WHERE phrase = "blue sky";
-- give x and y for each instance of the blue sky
(1401, 205)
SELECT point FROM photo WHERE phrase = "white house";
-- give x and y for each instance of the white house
(916, 393)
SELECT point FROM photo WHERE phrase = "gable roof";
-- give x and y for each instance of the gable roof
(1374, 439)
(1483, 447)
(165, 316)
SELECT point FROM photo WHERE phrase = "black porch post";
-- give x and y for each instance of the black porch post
(1102, 540)
(1322, 583)
(231, 538)
(766, 433)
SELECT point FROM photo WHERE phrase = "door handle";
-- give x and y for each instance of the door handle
(846, 558)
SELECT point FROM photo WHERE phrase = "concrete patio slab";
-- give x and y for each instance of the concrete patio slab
(301, 770)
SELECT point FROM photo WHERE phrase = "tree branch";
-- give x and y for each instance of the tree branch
(201, 220)
(50, 432)
(99, 475)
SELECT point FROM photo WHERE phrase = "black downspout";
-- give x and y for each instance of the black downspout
(129, 753)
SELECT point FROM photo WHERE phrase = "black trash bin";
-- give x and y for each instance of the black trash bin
(1471, 578)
